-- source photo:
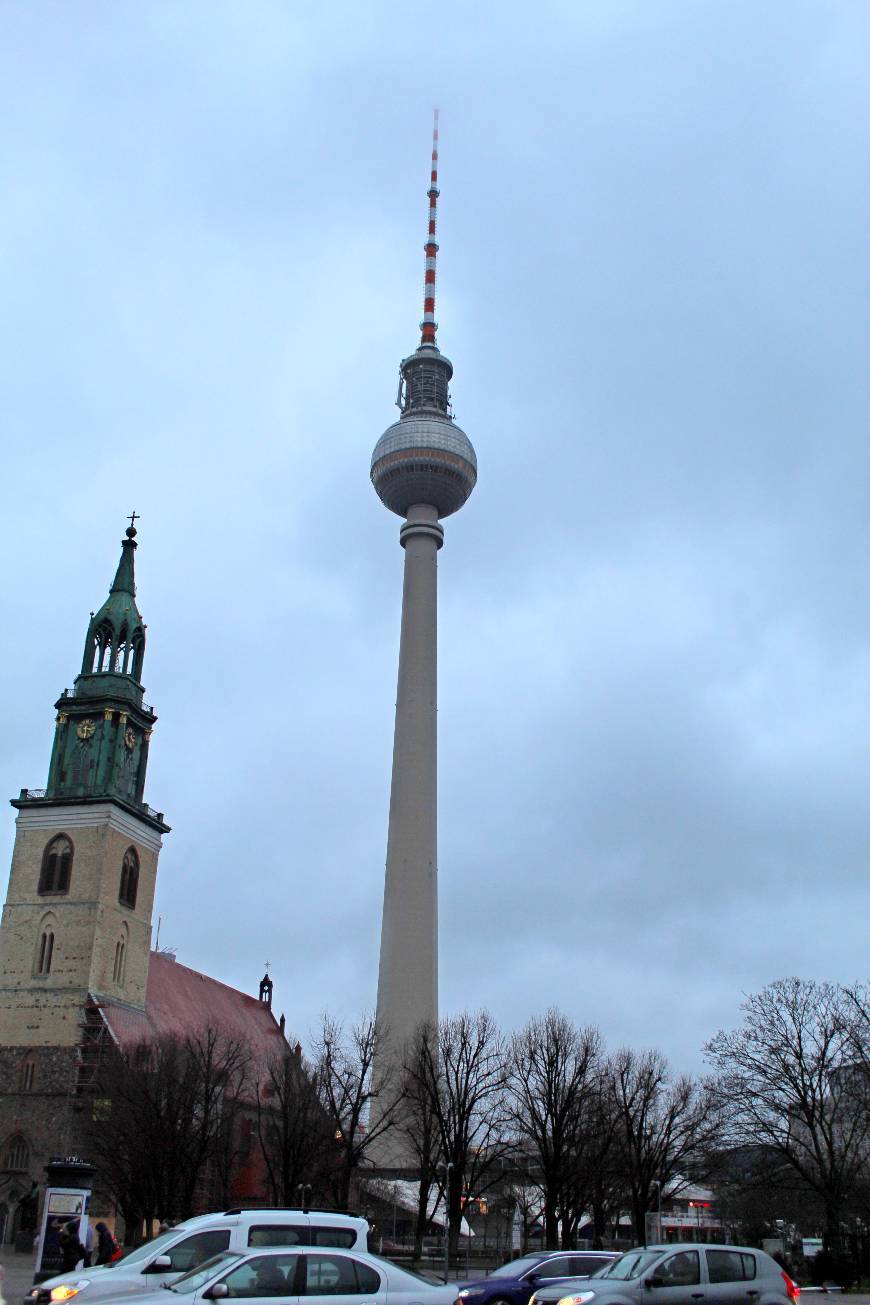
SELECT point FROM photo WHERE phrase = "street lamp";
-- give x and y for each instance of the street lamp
(448, 1170)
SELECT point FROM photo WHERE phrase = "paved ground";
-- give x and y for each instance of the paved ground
(18, 1276)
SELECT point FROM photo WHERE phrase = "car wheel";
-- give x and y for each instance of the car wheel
(500, 1300)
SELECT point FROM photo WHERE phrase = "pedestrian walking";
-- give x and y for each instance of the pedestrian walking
(105, 1244)
(71, 1248)
(89, 1244)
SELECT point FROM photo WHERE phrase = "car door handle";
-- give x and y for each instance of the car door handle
(697, 1295)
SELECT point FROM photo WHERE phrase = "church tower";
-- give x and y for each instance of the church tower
(77, 922)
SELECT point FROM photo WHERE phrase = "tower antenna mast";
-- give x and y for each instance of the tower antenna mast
(429, 326)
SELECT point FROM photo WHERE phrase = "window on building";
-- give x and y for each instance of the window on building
(120, 965)
(27, 1073)
(129, 878)
(16, 1153)
(56, 866)
(45, 951)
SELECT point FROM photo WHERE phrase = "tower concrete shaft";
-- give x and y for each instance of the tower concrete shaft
(408, 973)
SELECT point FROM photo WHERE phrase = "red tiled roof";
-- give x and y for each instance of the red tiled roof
(181, 1002)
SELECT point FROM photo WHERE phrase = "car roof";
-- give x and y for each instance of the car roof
(696, 1246)
(257, 1212)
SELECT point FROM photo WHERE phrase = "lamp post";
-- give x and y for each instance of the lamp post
(448, 1170)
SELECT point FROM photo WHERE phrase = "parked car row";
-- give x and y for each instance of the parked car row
(283, 1256)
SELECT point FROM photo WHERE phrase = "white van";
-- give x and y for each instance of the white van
(191, 1243)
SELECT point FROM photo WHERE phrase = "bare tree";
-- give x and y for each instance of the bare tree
(294, 1130)
(790, 1081)
(664, 1125)
(160, 1115)
(360, 1112)
(420, 1127)
(856, 1022)
(464, 1075)
(216, 1071)
(553, 1071)
(596, 1182)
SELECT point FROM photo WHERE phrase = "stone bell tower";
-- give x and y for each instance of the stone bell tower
(77, 921)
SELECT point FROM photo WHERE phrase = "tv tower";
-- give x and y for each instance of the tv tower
(423, 468)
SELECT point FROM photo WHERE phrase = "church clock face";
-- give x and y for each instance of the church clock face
(86, 730)
(129, 738)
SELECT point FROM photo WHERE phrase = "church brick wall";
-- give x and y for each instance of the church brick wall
(88, 921)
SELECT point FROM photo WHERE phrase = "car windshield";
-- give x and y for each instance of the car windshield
(516, 1268)
(146, 1250)
(196, 1277)
(630, 1265)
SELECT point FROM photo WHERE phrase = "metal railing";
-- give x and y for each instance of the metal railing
(41, 795)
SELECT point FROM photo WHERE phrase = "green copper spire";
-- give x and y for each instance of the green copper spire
(115, 643)
(103, 727)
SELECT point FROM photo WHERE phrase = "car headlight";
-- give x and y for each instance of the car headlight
(66, 1290)
(462, 1294)
(581, 1298)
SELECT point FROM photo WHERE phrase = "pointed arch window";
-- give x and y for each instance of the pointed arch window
(57, 860)
(45, 951)
(16, 1153)
(27, 1073)
(129, 878)
(120, 967)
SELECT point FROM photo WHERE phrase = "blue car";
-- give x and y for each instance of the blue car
(513, 1283)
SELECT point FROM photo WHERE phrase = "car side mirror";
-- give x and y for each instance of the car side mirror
(219, 1291)
(160, 1264)
(653, 1281)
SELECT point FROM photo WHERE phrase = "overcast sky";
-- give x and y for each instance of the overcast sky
(654, 636)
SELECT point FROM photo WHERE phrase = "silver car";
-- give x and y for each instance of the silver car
(679, 1274)
(189, 1244)
(289, 1276)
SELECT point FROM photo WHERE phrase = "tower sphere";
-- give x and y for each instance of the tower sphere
(424, 459)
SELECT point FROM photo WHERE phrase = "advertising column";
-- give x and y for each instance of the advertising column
(65, 1206)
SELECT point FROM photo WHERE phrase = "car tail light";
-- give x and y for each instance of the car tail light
(791, 1287)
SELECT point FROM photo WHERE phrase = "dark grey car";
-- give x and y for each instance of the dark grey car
(679, 1274)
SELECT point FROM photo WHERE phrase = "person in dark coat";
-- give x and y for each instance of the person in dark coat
(71, 1248)
(105, 1244)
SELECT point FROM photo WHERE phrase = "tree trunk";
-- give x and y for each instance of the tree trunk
(454, 1214)
(833, 1226)
(638, 1219)
(551, 1221)
(422, 1216)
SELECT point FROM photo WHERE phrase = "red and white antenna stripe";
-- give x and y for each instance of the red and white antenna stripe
(429, 326)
